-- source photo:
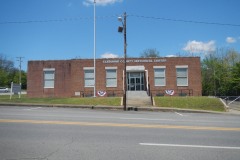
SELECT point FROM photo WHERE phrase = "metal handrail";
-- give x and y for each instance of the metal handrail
(180, 92)
(234, 100)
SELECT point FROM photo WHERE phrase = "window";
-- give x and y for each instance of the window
(49, 75)
(88, 76)
(111, 77)
(159, 76)
(182, 75)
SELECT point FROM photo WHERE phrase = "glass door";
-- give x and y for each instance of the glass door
(135, 81)
(138, 84)
(132, 84)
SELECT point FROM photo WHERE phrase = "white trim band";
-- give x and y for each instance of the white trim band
(182, 66)
(48, 69)
(110, 67)
(156, 67)
(88, 68)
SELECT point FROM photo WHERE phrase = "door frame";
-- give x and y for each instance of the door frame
(132, 84)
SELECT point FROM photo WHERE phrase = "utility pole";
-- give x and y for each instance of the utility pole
(20, 74)
(20, 69)
(124, 29)
(94, 47)
(125, 59)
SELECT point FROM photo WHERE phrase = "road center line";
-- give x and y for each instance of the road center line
(189, 146)
(99, 124)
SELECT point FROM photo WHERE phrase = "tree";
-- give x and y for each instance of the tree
(236, 78)
(3, 78)
(5, 68)
(150, 53)
(5, 64)
(8, 73)
(208, 75)
(220, 74)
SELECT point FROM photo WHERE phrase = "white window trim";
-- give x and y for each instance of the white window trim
(156, 67)
(185, 67)
(48, 69)
(182, 66)
(160, 67)
(88, 68)
(111, 68)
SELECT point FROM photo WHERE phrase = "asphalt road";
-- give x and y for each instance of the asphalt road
(77, 134)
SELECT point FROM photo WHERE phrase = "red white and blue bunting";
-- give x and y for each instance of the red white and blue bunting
(101, 93)
(170, 92)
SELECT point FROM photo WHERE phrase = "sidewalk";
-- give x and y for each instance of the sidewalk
(129, 108)
(233, 111)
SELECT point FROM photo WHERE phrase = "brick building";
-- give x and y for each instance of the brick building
(72, 78)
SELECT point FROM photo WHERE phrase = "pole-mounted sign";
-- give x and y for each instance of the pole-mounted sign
(15, 89)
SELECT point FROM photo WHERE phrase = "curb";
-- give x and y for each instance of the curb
(129, 108)
(61, 106)
(163, 109)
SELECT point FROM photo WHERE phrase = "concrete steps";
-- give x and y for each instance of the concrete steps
(138, 99)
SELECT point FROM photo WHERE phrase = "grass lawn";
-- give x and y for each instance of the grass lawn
(198, 103)
(109, 101)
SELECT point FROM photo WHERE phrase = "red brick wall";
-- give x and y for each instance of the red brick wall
(69, 75)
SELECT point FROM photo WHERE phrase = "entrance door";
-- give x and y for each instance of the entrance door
(135, 84)
(138, 84)
(135, 81)
(132, 84)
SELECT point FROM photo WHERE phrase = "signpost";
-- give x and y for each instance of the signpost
(15, 89)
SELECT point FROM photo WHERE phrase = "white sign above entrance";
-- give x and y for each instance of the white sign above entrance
(135, 68)
(135, 60)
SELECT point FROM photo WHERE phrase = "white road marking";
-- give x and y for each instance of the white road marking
(179, 114)
(189, 146)
(32, 108)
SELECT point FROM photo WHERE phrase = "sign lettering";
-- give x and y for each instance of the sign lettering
(135, 60)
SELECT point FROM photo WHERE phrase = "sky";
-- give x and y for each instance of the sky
(64, 29)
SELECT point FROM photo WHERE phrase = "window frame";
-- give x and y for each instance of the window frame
(47, 79)
(155, 68)
(91, 78)
(111, 78)
(182, 77)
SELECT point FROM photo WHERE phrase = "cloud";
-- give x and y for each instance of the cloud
(231, 40)
(100, 2)
(171, 55)
(109, 55)
(86, 3)
(200, 47)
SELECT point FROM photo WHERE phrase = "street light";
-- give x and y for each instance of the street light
(123, 29)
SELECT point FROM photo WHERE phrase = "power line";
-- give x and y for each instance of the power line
(187, 21)
(55, 20)
(114, 16)
(43, 21)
